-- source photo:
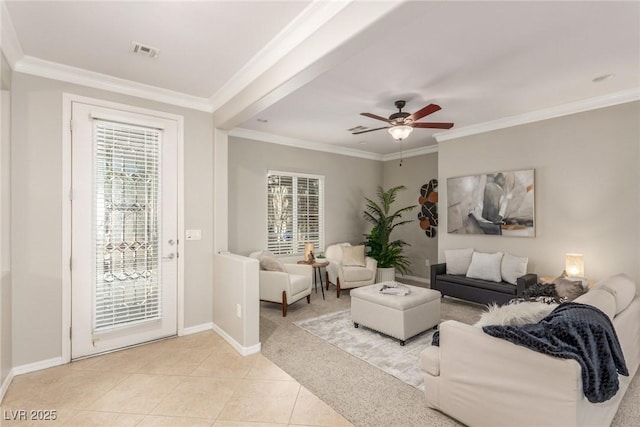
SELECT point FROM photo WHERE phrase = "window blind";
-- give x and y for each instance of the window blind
(126, 179)
(295, 212)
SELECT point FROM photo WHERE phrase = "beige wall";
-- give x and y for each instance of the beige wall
(5, 222)
(587, 199)
(37, 211)
(347, 181)
(586, 188)
(413, 174)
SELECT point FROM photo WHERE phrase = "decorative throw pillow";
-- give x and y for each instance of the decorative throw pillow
(569, 289)
(458, 260)
(513, 267)
(269, 262)
(353, 256)
(515, 314)
(549, 280)
(485, 266)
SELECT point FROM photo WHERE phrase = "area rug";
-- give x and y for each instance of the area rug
(381, 351)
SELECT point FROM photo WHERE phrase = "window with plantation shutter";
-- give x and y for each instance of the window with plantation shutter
(127, 219)
(295, 212)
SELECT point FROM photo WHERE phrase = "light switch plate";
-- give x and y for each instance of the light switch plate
(194, 234)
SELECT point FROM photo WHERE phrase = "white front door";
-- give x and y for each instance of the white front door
(124, 229)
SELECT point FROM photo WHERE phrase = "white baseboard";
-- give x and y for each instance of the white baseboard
(5, 384)
(245, 351)
(195, 329)
(37, 366)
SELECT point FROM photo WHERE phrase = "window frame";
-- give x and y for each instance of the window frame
(297, 244)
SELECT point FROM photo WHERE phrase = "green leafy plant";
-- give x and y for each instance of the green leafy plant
(388, 253)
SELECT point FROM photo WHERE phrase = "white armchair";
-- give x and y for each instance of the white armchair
(347, 273)
(283, 287)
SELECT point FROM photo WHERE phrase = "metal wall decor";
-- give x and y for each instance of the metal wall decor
(428, 215)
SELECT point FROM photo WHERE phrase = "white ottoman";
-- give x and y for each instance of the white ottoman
(399, 316)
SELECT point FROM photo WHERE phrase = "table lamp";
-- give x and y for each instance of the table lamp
(574, 265)
(308, 252)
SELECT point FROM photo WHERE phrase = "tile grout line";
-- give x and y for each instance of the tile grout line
(167, 395)
(127, 375)
(295, 402)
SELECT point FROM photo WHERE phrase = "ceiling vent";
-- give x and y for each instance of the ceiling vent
(144, 50)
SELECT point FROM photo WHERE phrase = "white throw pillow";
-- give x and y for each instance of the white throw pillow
(513, 267)
(353, 256)
(270, 263)
(515, 314)
(458, 260)
(485, 266)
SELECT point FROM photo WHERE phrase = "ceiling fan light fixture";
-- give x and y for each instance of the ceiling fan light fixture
(400, 132)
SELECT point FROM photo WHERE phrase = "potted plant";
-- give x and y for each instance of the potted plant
(388, 253)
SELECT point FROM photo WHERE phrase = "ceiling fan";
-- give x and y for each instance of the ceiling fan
(402, 123)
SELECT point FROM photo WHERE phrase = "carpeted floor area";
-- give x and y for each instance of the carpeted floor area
(362, 393)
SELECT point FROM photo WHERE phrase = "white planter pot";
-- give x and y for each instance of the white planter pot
(387, 274)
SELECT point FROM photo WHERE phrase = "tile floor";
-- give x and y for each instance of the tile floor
(196, 380)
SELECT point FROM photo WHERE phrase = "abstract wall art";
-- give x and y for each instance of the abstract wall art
(498, 203)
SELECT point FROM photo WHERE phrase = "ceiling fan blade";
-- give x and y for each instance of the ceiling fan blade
(373, 116)
(429, 109)
(433, 125)
(369, 130)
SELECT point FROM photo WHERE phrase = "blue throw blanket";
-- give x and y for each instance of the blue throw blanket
(580, 332)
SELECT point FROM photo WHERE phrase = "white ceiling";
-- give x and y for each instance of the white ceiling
(480, 61)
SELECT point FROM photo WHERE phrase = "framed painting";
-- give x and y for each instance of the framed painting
(498, 203)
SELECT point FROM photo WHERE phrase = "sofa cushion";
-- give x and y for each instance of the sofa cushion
(621, 287)
(430, 360)
(599, 298)
(458, 260)
(486, 266)
(513, 267)
(503, 287)
(356, 274)
(353, 256)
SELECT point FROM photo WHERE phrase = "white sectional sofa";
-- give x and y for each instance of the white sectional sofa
(481, 380)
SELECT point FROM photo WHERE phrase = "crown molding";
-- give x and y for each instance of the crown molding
(300, 143)
(10, 43)
(314, 16)
(53, 70)
(608, 100)
(22, 63)
(411, 153)
(327, 148)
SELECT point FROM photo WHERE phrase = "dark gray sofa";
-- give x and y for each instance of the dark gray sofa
(477, 290)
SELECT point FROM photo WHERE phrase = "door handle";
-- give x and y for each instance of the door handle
(170, 256)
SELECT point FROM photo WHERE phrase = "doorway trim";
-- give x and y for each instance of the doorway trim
(67, 100)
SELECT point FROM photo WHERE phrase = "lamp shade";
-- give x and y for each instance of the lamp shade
(400, 132)
(308, 252)
(574, 265)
